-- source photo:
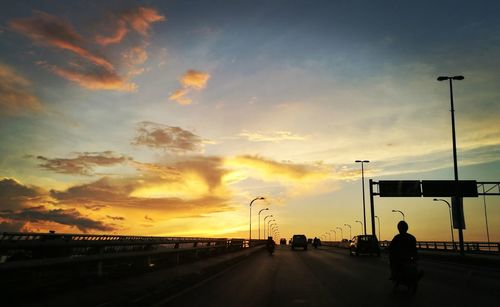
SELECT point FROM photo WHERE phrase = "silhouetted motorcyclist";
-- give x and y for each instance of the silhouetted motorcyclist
(270, 244)
(315, 242)
(402, 250)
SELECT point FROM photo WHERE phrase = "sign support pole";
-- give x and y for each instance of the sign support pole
(372, 208)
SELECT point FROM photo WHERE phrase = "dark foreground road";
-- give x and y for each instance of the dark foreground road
(330, 277)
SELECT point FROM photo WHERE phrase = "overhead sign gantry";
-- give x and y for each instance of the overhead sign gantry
(457, 190)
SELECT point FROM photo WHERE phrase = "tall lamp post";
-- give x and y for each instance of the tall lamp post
(363, 189)
(350, 230)
(378, 220)
(341, 233)
(400, 212)
(270, 226)
(250, 233)
(455, 163)
(273, 229)
(451, 219)
(361, 223)
(259, 218)
(265, 218)
(334, 233)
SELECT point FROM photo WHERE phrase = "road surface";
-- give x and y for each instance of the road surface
(330, 277)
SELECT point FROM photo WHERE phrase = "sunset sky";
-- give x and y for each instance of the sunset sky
(169, 117)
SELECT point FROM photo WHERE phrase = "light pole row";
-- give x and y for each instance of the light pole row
(250, 231)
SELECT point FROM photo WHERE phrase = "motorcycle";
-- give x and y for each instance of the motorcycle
(408, 275)
(270, 248)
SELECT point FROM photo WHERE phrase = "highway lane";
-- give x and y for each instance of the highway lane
(330, 277)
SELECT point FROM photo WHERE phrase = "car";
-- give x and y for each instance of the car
(364, 244)
(299, 241)
(282, 241)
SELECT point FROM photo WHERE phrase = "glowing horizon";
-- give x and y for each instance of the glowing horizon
(168, 119)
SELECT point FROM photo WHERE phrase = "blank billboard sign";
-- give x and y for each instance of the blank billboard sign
(449, 188)
(399, 188)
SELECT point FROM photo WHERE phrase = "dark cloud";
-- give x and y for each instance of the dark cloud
(69, 217)
(14, 195)
(94, 207)
(169, 138)
(115, 218)
(92, 78)
(14, 226)
(83, 163)
(12, 188)
(49, 30)
(102, 191)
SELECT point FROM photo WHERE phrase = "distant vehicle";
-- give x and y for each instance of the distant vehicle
(309, 241)
(282, 241)
(364, 244)
(299, 241)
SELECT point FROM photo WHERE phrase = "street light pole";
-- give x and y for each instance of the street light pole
(334, 233)
(350, 230)
(269, 226)
(378, 220)
(363, 189)
(361, 225)
(455, 163)
(259, 218)
(451, 219)
(400, 212)
(273, 227)
(265, 224)
(250, 232)
(341, 233)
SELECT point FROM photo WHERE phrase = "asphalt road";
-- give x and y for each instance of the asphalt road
(330, 277)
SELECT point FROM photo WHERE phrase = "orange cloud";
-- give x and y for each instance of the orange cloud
(15, 96)
(171, 197)
(98, 73)
(49, 30)
(138, 19)
(192, 79)
(93, 80)
(270, 170)
(141, 18)
(179, 96)
(119, 33)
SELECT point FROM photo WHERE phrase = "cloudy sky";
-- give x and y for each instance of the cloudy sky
(169, 117)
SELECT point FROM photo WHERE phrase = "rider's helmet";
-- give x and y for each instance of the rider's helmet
(402, 227)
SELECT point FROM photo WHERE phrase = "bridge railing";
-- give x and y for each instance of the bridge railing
(482, 247)
(473, 247)
(26, 251)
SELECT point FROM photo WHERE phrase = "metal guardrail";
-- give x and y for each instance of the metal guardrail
(473, 247)
(53, 251)
(482, 247)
